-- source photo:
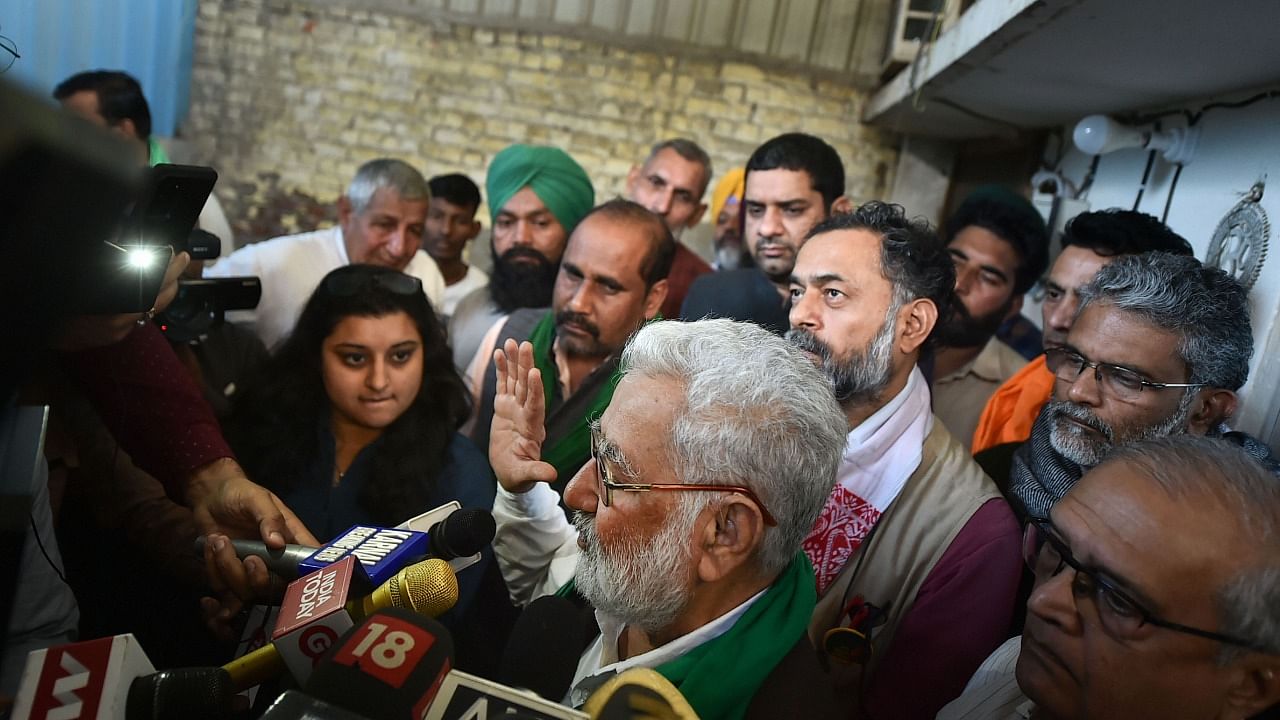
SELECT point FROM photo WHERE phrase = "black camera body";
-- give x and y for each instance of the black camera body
(201, 306)
(123, 274)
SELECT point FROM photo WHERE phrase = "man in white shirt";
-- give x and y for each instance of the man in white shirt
(451, 224)
(709, 588)
(380, 222)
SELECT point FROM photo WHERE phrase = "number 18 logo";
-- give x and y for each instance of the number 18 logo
(387, 649)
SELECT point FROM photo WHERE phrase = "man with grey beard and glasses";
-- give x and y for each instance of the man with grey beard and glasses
(914, 548)
(704, 582)
(1159, 346)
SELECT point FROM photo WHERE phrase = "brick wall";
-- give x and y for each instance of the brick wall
(288, 98)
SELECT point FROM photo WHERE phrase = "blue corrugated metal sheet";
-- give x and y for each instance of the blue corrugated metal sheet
(149, 39)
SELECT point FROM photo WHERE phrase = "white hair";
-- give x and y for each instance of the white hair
(386, 173)
(756, 412)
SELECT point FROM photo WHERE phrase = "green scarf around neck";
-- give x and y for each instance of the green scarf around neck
(572, 450)
(720, 677)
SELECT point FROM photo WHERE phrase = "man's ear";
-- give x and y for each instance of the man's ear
(473, 232)
(1256, 687)
(729, 538)
(632, 176)
(1015, 307)
(841, 206)
(1213, 407)
(125, 127)
(918, 318)
(344, 210)
(654, 298)
(697, 217)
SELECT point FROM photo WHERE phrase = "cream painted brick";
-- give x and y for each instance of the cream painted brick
(310, 107)
(739, 72)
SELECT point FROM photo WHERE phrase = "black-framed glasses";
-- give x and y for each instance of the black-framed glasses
(1121, 616)
(1119, 381)
(348, 284)
(606, 484)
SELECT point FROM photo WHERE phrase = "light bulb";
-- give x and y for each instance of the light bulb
(1099, 134)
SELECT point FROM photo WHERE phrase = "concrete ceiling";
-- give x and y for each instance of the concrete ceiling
(1041, 63)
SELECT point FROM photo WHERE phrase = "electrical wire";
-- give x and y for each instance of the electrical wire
(1146, 175)
(1168, 201)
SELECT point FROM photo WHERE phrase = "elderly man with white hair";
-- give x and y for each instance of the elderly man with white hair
(380, 222)
(705, 583)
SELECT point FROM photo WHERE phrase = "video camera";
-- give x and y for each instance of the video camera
(202, 304)
(123, 273)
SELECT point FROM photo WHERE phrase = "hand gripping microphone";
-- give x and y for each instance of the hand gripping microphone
(388, 667)
(316, 610)
(381, 551)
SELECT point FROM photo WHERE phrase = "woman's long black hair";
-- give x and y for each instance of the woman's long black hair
(273, 427)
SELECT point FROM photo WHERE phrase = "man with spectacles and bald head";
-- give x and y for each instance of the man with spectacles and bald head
(1155, 586)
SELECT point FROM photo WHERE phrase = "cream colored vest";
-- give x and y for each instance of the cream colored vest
(909, 539)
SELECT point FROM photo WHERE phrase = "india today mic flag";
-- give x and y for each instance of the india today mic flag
(88, 680)
(313, 616)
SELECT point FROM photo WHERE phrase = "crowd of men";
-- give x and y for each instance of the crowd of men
(876, 506)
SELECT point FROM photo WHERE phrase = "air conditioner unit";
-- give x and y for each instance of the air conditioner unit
(911, 25)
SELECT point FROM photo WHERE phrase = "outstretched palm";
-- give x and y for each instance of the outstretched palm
(519, 411)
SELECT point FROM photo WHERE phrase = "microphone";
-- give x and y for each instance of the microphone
(316, 610)
(461, 534)
(86, 679)
(464, 696)
(387, 667)
(638, 693)
(201, 693)
(382, 551)
(295, 705)
(543, 650)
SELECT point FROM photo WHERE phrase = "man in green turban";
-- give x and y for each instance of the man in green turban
(536, 196)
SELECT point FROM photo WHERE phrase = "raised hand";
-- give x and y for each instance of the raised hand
(519, 411)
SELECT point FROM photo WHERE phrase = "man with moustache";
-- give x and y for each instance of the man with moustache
(671, 183)
(1159, 346)
(380, 222)
(1090, 241)
(793, 182)
(1155, 586)
(704, 582)
(536, 196)
(914, 536)
(451, 224)
(611, 281)
(1001, 248)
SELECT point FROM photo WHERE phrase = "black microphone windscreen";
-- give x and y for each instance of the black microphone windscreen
(195, 693)
(387, 667)
(295, 705)
(463, 533)
(544, 648)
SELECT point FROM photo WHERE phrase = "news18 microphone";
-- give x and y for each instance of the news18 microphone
(388, 667)
(316, 610)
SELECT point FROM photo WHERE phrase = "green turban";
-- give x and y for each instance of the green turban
(557, 179)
